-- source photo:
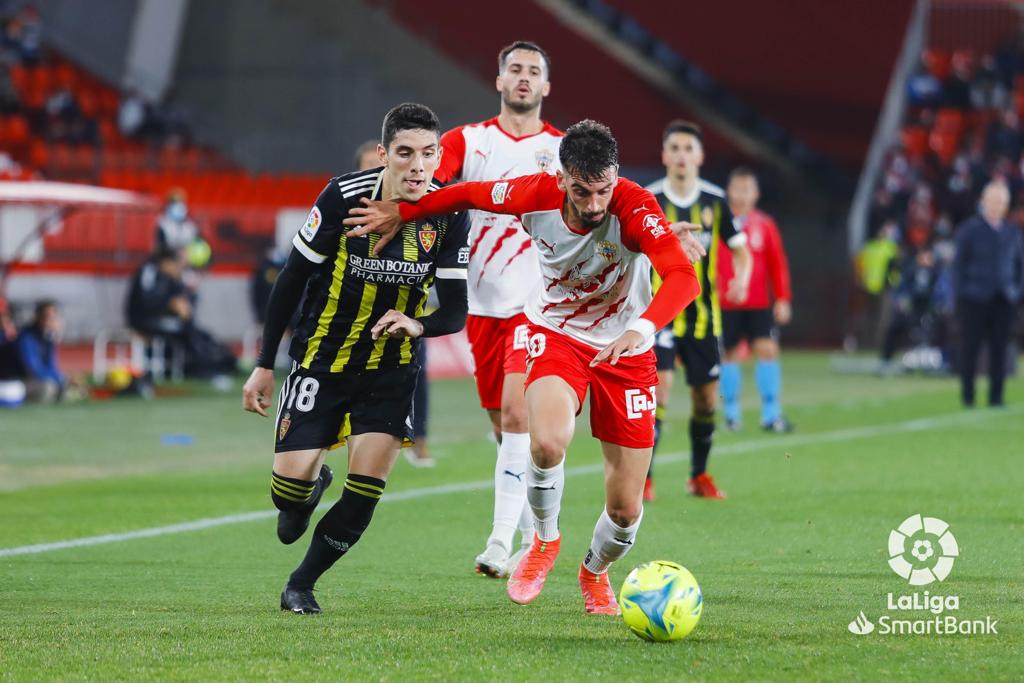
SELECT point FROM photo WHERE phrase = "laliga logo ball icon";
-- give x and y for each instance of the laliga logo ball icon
(922, 550)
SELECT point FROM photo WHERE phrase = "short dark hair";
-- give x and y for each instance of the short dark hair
(368, 146)
(523, 45)
(741, 172)
(42, 305)
(682, 126)
(408, 116)
(587, 150)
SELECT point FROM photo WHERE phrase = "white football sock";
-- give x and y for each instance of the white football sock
(610, 542)
(526, 530)
(509, 487)
(544, 491)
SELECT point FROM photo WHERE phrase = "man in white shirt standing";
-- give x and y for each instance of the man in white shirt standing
(503, 268)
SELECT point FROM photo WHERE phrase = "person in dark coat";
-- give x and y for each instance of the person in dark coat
(988, 276)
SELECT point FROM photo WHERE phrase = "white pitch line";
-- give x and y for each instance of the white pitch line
(776, 442)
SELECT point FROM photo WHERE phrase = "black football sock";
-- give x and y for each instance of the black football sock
(702, 426)
(339, 529)
(290, 494)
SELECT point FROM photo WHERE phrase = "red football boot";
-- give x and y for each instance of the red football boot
(703, 486)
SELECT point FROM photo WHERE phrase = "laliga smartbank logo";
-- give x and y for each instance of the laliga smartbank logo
(922, 550)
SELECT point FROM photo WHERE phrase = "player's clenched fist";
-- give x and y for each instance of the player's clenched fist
(257, 391)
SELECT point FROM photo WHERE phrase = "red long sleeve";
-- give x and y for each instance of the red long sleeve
(645, 229)
(515, 197)
(778, 266)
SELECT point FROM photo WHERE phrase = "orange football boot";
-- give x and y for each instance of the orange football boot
(527, 580)
(598, 596)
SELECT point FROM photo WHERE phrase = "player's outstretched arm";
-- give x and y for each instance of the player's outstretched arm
(378, 218)
(258, 390)
(514, 197)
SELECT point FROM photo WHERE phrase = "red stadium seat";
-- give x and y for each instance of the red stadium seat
(944, 144)
(950, 120)
(938, 63)
(915, 141)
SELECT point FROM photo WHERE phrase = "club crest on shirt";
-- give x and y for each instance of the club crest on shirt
(544, 157)
(427, 236)
(707, 217)
(286, 422)
(311, 225)
(607, 250)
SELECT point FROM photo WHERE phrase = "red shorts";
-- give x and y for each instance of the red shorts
(622, 396)
(499, 349)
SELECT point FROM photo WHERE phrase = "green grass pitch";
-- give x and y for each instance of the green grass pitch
(797, 551)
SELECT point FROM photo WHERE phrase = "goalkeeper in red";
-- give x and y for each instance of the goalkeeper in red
(592, 321)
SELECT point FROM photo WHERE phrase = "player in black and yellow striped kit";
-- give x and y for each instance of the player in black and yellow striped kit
(354, 366)
(694, 336)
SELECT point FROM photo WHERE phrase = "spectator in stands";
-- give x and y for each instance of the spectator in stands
(65, 122)
(987, 89)
(957, 87)
(12, 388)
(37, 346)
(22, 35)
(988, 277)
(923, 88)
(1003, 137)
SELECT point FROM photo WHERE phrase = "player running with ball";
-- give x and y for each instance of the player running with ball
(592, 322)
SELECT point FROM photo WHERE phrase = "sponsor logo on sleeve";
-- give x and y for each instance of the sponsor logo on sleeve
(653, 223)
(499, 192)
(312, 223)
(463, 255)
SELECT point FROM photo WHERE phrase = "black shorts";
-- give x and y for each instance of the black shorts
(321, 410)
(701, 358)
(749, 324)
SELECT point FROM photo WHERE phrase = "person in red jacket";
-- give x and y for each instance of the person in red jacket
(592, 321)
(755, 318)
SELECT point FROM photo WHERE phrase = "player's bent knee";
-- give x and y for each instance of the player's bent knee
(625, 515)
(548, 450)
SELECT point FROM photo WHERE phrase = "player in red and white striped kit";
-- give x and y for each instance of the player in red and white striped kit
(502, 269)
(592, 321)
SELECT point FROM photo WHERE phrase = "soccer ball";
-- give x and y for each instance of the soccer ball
(661, 601)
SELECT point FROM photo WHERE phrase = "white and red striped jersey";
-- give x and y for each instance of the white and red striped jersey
(502, 259)
(593, 284)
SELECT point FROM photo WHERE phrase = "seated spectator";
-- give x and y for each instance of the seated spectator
(37, 346)
(12, 388)
(912, 302)
(160, 306)
(158, 302)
